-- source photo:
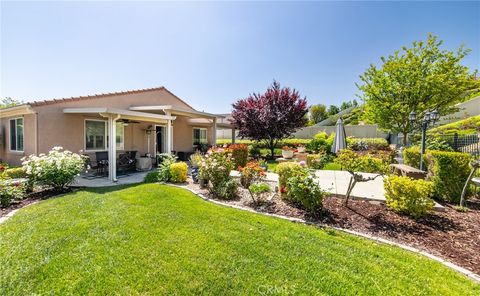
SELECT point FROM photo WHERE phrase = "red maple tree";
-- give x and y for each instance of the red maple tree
(271, 116)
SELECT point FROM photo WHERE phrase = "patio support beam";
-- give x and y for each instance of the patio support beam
(169, 133)
(233, 136)
(214, 132)
(112, 147)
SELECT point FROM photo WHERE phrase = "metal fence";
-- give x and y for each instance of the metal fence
(464, 143)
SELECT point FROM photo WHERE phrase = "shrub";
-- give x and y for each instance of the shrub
(408, 196)
(196, 159)
(252, 172)
(448, 171)
(225, 189)
(318, 161)
(411, 157)
(351, 161)
(362, 144)
(56, 169)
(164, 166)
(14, 173)
(303, 190)
(151, 177)
(258, 191)
(178, 172)
(320, 142)
(239, 154)
(254, 151)
(10, 192)
(216, 168)
(286, 170)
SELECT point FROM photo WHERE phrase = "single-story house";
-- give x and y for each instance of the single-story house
(149, 121)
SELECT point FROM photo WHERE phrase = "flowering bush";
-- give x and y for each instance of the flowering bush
(216, 167)
(178, 172)
(251, 173)
(56, 169)
(10, 192)
(239, 154)
(304, 191)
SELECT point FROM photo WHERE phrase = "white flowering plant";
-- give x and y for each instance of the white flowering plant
(215, 167)
(57, 169)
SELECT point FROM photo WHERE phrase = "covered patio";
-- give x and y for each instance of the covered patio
(112, 116)
(149, 130)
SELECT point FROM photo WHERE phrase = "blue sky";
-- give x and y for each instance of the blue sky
(212, 54)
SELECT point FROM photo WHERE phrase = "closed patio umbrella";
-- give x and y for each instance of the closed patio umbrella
(340, 141)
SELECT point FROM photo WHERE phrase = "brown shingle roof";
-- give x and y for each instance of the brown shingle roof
(136, 91)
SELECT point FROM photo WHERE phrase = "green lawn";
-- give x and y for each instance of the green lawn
(152, 239)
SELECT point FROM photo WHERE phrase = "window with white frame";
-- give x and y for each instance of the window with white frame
(16, 134)
(96, 135)
(199, 136)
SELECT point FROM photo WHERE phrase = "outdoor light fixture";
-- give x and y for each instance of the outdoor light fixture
(429, 118)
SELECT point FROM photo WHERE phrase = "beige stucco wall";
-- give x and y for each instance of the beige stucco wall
(14, 157)
(56, 128)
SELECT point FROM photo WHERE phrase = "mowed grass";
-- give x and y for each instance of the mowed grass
(152, 239)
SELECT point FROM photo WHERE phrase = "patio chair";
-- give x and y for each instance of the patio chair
(125, 163)
(101, 159)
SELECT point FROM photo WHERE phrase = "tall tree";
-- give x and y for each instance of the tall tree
(318, 113)
(9, 102)
(332, 110)
(270, 116)
(420, 78)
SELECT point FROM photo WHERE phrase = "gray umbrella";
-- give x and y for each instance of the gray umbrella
(340, 141)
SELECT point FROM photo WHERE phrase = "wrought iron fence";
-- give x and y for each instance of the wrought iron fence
(464, 143)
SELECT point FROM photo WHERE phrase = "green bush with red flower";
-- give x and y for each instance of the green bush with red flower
(11, 191)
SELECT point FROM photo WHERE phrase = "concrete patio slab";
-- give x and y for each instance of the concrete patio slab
(135, 177)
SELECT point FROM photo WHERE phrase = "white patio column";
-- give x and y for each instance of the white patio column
(233, 136)
(112, 148)
(214, 132)
(169, 134)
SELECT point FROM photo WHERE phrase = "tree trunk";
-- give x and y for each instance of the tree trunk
(465, 187)
(351, 184)
(405, 137)
(272, 148)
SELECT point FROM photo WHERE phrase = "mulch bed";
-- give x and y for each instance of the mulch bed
(452, 235)
(31, 198)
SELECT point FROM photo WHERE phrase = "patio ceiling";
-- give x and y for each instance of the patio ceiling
(125, 114)
(177, 111)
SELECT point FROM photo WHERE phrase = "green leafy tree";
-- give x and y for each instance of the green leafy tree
(332, 110)
(9, 102)
(421, 78)
(318, 113)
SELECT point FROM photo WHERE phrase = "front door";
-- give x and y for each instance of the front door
(160, 137)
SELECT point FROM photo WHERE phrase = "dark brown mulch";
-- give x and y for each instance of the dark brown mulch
(451, 235)
(31, 198)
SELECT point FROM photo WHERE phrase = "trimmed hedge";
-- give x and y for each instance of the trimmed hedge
(262, 145)
(363, 144)
(408, 196)
(411, 157)
(448, 171)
